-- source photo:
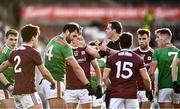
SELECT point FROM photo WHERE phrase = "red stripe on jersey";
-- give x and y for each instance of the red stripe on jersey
(0, 50)
(59, 40)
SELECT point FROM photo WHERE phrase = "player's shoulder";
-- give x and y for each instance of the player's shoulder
(135, 49)
(126, 53)
(151, 49)
(60, 40)
(25, 48)
(136, 56)
(167, 49)
(5, 49)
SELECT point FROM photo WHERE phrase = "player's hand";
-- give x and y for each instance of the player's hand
(149, 95)
(176, 87)
(81, 43)
(99, 93)
(103, 46)
(53, 86)
(89, 88)
(10, 88)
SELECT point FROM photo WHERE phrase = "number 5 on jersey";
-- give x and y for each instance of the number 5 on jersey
(124, 68)
(49, 52)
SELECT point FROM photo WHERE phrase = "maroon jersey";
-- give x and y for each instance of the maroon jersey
(24, 59)
(146, 56)
(84, 59)
(124, 66)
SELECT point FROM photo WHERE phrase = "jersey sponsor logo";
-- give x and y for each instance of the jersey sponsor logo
(59, 40)
(149, 58)
(76, 53)
(83, 52)
(125, 53)
(82, 60)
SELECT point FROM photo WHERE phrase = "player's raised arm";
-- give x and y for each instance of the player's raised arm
(82, 44)
(103, 47)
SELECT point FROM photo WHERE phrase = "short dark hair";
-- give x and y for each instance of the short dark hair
(166, 31)
(12, 32)
(116, 25)
(125, 40)
(71, 27)
(142, 31)
(28, 31)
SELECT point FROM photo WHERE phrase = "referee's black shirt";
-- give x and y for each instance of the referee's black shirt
(112, 45)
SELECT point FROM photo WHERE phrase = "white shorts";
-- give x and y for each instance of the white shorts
(53, 93)
(77, 96)
(141, 95)
(4, 94)
(97, 102)
(120, 103)
(25, 101)
(168, 95)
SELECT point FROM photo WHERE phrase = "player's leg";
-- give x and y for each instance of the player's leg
(38, 106)
(54, 96)
(165, 98)
(57, 103)
(116, 103)
(85, 99)
(176, 101)
(97, 103)
(144, 100)
(107, 98)
(39, 89)
(86, 106)
(2, 105)
(71, 98)
(176, 106)
(8, 103)
(72, 105)
(44, 101)
(6, 100)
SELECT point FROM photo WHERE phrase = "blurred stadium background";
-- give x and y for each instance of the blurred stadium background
(51, 15)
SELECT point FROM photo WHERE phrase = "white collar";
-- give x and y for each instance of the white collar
(145, 50)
